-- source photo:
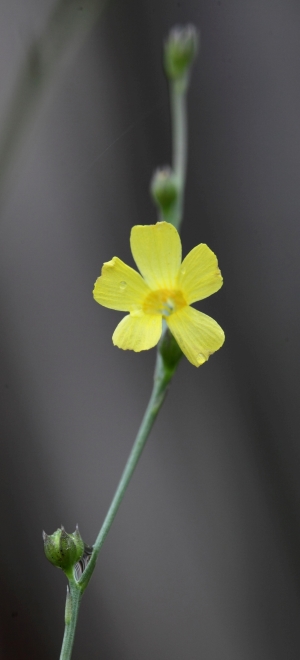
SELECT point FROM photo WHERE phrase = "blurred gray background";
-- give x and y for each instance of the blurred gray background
(203, 559)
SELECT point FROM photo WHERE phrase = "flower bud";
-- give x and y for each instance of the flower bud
(164, 189)
(180, 51)
(63, 550)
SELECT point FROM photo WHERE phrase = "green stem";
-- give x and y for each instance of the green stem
(178, 92)
(71, 615)
(162, 378)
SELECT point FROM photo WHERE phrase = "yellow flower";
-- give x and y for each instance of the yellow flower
(165, 290)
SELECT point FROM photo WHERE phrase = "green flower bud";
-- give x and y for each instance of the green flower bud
(180, 51)
(64, 550)
(164, 188)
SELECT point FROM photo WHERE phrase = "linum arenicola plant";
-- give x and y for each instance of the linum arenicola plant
(158, 300)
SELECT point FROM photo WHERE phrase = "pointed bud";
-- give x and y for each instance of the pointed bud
(63, 550)
(164, 189)
(180, 51)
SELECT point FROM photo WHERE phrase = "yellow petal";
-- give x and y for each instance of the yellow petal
(199, 275)
(156, 250)
(138, 332)
(197, 334)
(120, 287)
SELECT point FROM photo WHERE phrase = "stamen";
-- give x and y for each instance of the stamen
(164, 302)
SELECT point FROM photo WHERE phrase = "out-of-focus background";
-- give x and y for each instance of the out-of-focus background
(203, 559)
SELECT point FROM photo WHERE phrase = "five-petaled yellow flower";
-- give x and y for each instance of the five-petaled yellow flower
(165, 290)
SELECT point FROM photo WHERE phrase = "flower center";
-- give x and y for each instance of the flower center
(164, 302)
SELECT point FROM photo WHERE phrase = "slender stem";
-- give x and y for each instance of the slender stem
(161, 380)
(179, 143)
(71, 615)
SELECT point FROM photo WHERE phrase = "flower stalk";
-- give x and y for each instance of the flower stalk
(180, 51)
(71, 615)
(180, 144)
